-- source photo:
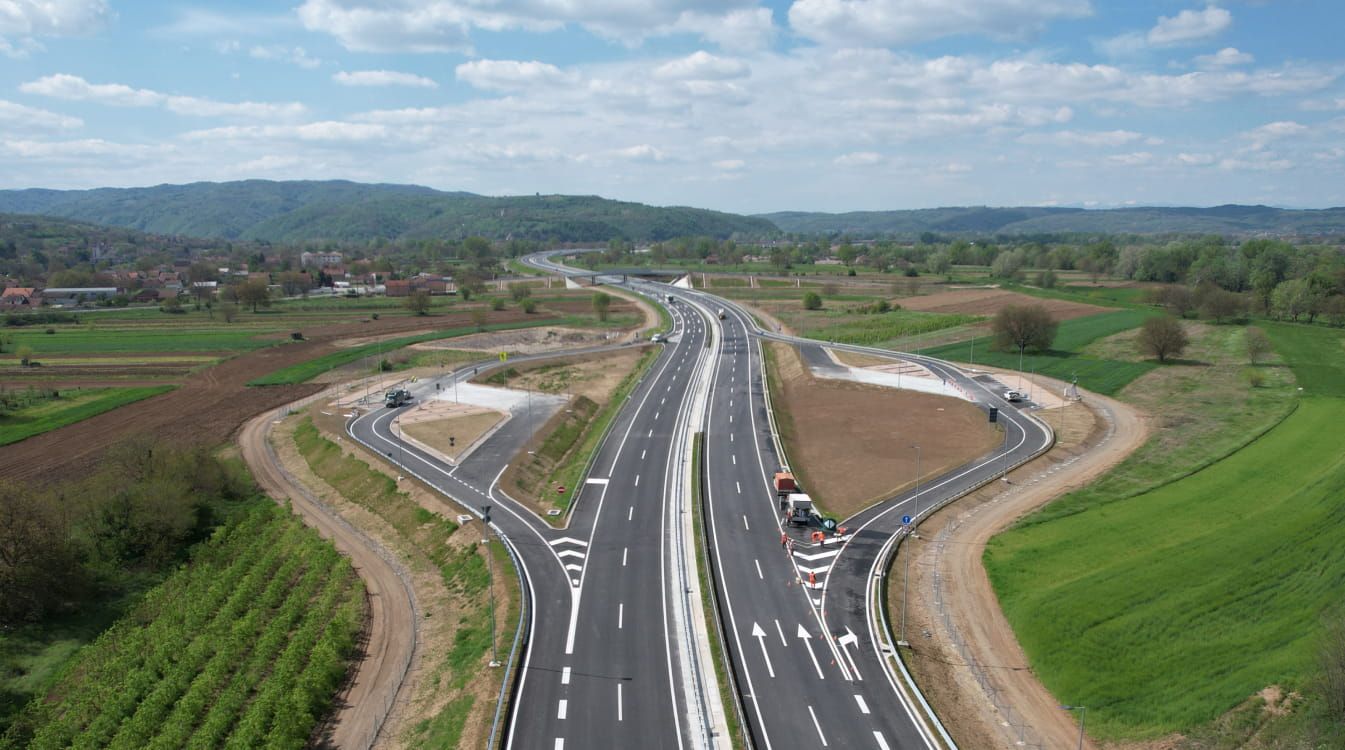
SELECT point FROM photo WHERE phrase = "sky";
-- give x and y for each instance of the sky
(748, 106)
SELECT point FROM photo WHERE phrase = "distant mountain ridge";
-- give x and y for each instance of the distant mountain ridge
(352, 212)
(1226, 220)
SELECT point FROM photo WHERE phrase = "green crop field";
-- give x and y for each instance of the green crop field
(72, 406)
(244, 647)
(1064, 361)
(1192, 576)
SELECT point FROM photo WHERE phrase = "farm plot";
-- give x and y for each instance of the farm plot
(38, 410)
(244, 647)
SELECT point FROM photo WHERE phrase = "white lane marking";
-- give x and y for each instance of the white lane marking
(808, 641)
(631, 513)
(760, 635)
(595, 480)
(624, 550)
(662, 401)
(565, 676)
(656, 414)
(745, 526)
(739, 485)
(730, 437)
(817, 555)
(651, 434)
(637, 480)
(863, 707)
(620, 714)
(817, 726)
(568, 540)
(882, 743)
(570, 553)
(735, 459)
(620, 615)
(575, 595)
(730, 403)
(560, 743)
(781, 632)
(642, 454)
(730, 419)
(564, 708)
(758, 564)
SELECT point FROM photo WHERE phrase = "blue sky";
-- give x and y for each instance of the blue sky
(739, 105)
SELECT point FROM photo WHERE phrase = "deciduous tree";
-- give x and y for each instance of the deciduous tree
(1023, 327)
(418, 302)
(601, 302)
(1162, 337)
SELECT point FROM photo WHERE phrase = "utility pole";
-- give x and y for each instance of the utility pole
(916, 520)
(490, 574)
(905, 588)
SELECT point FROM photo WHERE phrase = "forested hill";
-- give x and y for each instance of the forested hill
(352, 212)
(1224, 220)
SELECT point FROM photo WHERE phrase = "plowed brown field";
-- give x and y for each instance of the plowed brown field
(208, 407)
(990, 301)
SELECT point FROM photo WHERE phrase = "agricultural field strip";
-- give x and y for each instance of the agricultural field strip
(27, 422)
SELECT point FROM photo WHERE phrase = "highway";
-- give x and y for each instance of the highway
(611, 659)
(602, 666)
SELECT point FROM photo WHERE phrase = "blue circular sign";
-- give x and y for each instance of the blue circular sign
(906, 520)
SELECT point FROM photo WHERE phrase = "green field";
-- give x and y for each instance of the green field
(1202, 580)
(1064, 360)
(72, 406)
(244, 647)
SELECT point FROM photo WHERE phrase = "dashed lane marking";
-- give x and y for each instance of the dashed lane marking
(758, 564)
(863, 707)
(564, 708)
(565, 676)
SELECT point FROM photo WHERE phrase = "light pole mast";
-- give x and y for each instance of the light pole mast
(490, 576)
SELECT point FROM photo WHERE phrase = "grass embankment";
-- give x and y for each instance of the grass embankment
(1066, 359)
(41, 414)
(571, 438)
(461, 564)
(244, 647)
(1207, 568)
(305, 371)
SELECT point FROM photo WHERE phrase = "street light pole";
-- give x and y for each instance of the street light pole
(490, 574)
(905, 587)
(1020, 367)
(916, 519)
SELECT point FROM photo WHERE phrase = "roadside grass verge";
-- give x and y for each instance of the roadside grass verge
(1064, 361)
(73, 405)
(1189, 598)
(305, 371)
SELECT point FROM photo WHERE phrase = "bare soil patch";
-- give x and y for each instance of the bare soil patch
(990, 301)
(592, 375)
(438, 421)
(850, 443)
(522, 340)
(209, 406)
(1092, 445)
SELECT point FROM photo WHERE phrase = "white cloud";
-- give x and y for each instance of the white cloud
(66, 150)
(327, 130)
(889, 22)
(446, 25)
(1227, 57)
(383, 78)
(640, 153)
(729, 165)
(74, 88)
(702, 65)
(1111, 138)
(1189, 26)
(25, 21)
(858, 159)
(511, 75)
(293, 55)
(19, 117)
(1134, 159)
(1196, 160)
(204, 22)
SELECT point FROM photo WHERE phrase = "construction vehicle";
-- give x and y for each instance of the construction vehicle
(798, 509)
(398, 397)
(785, 483)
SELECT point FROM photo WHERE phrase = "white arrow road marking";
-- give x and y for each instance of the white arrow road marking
(808, 641)
(845, 642)
(760, 635)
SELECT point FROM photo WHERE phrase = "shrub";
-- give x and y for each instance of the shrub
(811, 301)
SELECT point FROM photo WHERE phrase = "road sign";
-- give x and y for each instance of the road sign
(905, 520)
(504, 356)
(994, 414)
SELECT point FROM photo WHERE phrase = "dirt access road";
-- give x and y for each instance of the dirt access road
(390, 634)
(208, 407)
(1094, 436)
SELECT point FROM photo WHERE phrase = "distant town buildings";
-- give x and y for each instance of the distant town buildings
(318, 260)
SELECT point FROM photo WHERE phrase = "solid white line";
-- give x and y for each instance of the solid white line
(631, 514)
(820, 736)
(863, 707)
(620, 615)
(620, 714)
(564, 706)
(808, 641)
(565, 676)
(624, 550)
(759, 575)
(882, 743)
(745, 526)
